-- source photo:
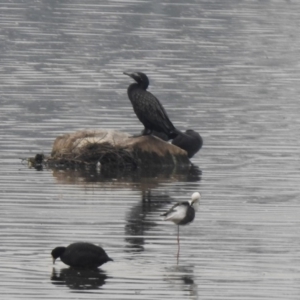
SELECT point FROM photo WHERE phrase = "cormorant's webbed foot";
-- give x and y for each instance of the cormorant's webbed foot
(136, 135)
(144, 132)
(163, 136)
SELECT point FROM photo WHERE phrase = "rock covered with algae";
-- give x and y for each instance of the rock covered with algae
(114, 148)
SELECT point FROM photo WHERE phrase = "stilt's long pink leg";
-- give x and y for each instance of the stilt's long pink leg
(178, 243)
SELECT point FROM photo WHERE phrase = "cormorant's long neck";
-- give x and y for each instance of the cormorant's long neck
(144, 84)
(131, 88)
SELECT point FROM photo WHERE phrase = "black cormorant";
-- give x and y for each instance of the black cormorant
(190, 141)
(81, 255)
(148, 108)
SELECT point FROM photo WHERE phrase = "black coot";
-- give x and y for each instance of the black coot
(81, 255)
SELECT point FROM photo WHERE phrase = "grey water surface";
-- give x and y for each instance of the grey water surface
(229, 70)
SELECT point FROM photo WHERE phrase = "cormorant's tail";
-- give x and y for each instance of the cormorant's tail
(167, 135)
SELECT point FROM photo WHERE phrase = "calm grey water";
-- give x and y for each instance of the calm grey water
(229, 70)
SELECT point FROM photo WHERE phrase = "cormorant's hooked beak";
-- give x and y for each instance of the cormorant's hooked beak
(140, 78)
(110, 259)
(134, 76)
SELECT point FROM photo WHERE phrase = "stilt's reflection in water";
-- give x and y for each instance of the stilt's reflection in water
(182, 278)
(79, 279)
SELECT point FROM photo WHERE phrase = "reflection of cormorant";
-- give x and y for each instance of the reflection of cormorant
(81, 255)
(83, 279)
(148, 108)
(190, 141)
(137, 222)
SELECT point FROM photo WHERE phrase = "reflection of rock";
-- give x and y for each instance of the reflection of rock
(117, 148)
(140, 179)
(79, 279)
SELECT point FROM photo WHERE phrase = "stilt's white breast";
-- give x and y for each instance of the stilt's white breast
(176, 214)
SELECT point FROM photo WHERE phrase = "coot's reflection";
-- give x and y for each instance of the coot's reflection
(79, 279)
